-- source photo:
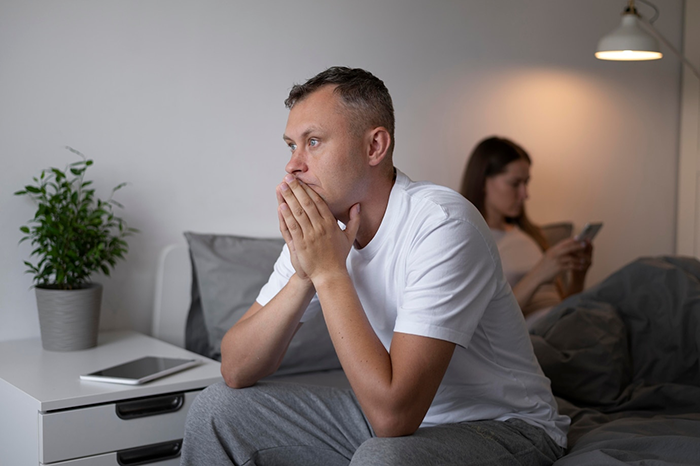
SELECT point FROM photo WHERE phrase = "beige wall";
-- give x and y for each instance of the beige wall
(183, 100)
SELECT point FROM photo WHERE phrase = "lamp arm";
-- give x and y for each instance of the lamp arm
(656, 10)
(680, 56)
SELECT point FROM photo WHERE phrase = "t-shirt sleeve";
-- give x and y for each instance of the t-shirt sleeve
(281, 273)
(451, 278)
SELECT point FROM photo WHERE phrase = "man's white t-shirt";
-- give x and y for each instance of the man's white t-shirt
(433, 270)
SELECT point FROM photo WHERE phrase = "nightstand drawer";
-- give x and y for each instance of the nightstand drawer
(107, 428)
(167, 454)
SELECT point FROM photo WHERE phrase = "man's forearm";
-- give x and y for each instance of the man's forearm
(254, 347)
(365, 361)
(395, 390)
(357, 345)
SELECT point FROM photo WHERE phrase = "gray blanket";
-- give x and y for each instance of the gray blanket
(624, 361)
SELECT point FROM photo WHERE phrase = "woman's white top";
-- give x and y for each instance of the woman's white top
(519, 254)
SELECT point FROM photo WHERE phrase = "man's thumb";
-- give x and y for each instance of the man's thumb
(354, 223)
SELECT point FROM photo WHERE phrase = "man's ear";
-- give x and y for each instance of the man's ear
(379, 142)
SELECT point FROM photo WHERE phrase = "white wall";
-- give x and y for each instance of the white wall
(688, 216)
(183, 99)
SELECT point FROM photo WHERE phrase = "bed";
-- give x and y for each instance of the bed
(623, 361)
(623, 356)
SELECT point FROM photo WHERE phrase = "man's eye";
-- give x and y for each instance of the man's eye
(292, 147)
(313, 142)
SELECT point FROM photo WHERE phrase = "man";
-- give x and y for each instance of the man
(424, 324)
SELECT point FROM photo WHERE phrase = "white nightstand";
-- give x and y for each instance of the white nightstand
(49, 416)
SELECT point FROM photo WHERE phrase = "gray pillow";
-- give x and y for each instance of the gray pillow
(227, 274)
(583, 349)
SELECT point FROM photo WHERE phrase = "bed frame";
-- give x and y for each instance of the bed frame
(171, 302)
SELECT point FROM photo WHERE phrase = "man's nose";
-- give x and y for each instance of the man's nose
(297, 163)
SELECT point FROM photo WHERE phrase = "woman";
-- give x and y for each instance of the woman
(495, 181)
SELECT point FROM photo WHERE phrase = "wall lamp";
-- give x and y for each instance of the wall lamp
(636, 39)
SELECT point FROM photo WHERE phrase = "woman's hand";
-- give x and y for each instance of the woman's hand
(583, 260)
(568, 254)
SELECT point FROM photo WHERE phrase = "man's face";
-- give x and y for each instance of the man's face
(326, 154)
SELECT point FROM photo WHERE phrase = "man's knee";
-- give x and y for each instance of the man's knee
(208, 430)
(212, 394)
(380, 451)
(207, 407)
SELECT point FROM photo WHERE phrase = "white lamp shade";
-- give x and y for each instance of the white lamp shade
(628, 42)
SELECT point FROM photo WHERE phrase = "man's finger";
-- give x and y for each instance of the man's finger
(283, 227)
(302, 197)
(290, 222)
(283, 224)
(293, 208)
(280, 199)
(321, 205)
(353, 224)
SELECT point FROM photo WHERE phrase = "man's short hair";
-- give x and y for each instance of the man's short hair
(362, 93)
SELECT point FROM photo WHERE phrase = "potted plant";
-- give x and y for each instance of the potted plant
(74, 234)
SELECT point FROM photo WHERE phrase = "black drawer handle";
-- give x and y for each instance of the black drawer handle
(150, 453)
(150, 406)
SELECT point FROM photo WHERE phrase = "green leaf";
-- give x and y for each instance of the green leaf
(58, 173)
(75, 152)
(20, 193)
(31, 266)
(32, 189)
(24, 229)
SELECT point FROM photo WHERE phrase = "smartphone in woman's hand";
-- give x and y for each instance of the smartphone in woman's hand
(589, 231)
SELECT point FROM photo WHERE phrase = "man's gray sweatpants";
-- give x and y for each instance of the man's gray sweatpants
(287, 424)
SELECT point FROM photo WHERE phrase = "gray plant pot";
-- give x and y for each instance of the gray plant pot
(69, 319)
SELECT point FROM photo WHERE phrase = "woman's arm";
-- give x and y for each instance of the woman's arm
(563, 256)
(578, 274)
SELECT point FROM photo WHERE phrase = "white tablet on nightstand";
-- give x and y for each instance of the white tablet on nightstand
(140, 370)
